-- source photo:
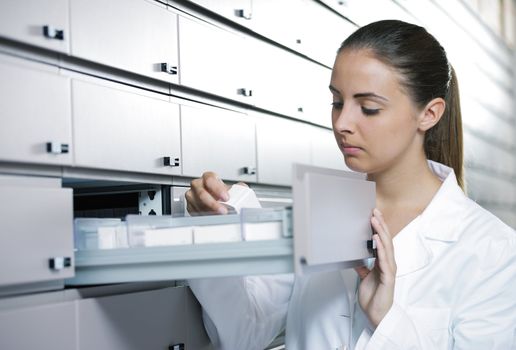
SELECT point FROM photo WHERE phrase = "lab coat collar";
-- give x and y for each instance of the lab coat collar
(410, 244)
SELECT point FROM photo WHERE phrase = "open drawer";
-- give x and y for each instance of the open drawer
(328, 228)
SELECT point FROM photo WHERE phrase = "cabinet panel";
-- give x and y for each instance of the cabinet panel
(121, 130)
(316, 95)
(280, 143)
(146, 320)
(26, 21)
(35, 226)
(277, 79)
(218, 140)
(325, 151)
(40, 327)
(213, 60)
(134, 35)
(239, 11)
(35, 104)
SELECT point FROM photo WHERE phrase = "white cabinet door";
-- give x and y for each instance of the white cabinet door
(218, 140)
(35, 111)
(279, 21)
(280, 143)
(116, 128)
(316, 94)
(239, 11)
(213, 60)
(133, 35)
(51, 326)
(35, 227)
(327, 31)
(277, 79)
(325, 151)
(145, 320)
(42, 23)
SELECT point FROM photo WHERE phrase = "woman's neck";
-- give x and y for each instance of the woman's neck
(405, 189)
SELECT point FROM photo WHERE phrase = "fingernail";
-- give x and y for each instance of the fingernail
(225, 197)
(377, 212)
(222, 210)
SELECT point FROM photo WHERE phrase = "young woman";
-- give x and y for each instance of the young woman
(445, 275)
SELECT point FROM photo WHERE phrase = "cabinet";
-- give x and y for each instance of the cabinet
(35, 103)
(135, 35)
(51, 326)
(35, 227)
(42, 23)
(146, 320)
(119, 129)
(278, 79)
(239, 11)
(325, 151)
(219, 140)
(280, 143)
(214, 60)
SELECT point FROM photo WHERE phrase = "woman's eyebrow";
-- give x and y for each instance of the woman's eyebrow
(370, 94)
(334, 89)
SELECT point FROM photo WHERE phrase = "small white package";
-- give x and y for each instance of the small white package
(241, 197)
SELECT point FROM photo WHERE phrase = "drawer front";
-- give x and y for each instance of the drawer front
(218, 140)
(26, 21)
(145, 320)
(276, 152)
(121, 130)
(40, 327)
(35, 104)
(134, 35)
(239, 11)
(325, 151)
(35, 226)
(213, 60)
(277, 77)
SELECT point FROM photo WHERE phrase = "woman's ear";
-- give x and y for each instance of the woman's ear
(432, 113)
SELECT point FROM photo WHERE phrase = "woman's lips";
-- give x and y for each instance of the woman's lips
(350, 149)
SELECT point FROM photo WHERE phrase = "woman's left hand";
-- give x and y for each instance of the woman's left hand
(376, 291)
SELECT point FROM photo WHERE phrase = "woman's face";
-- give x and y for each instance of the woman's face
(374, 121)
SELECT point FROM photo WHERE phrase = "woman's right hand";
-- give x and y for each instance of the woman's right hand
(204, 194)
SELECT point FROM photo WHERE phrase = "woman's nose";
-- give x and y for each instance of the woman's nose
(344, 121)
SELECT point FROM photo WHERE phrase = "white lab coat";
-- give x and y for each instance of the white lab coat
(455, 289)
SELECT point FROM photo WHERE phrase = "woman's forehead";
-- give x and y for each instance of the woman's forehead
(358, 70)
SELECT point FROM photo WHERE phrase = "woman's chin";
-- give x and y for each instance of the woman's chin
(355, 165)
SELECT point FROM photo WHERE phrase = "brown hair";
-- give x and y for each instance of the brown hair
(426, 74)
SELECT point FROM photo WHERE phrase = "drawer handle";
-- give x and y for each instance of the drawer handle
(248, 170)
(172, 162)
(168, 68)
(245, 92)
(59, 263)
(57, 148)
(53, 33)
(179, 346)
(242, 13)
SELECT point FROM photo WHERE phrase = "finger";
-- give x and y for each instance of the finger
(214, 185)
(381, 256)
(203, 200)
(378, 214)
(386, 241)
(362, 272)
(384, 264)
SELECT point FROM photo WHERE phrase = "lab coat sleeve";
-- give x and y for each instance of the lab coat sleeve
(485, 318)
(244, 312)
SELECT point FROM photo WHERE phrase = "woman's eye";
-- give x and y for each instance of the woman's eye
(370, 111)
(337, 105)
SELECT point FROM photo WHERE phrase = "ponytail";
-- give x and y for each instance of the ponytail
(443, 143)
